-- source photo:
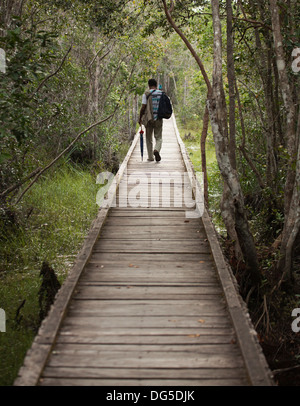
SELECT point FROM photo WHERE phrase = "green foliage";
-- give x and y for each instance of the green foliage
(27, 56)
(50, 226)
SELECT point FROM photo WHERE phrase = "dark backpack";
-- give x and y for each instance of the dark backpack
(165, 107)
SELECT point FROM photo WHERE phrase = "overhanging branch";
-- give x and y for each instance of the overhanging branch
(52, 74)
(60, 155)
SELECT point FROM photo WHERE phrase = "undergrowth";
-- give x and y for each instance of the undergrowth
(49, 225)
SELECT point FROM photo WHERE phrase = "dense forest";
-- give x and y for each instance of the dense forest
(72, 74)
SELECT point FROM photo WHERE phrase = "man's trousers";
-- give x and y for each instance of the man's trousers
(156, 126)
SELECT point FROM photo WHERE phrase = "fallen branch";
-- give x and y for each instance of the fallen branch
(263, 313)
(61, 154)
(279, 371)
(17, 185)
(168, 13)
(102, 56)
(52, 74)
(248, 20)
(253, 167)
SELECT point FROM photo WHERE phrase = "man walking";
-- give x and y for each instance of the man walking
(149, 117)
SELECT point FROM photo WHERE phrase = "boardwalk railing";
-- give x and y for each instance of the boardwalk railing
(161, 320)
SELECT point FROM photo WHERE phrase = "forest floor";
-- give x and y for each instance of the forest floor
(271, 312)
(281, 345)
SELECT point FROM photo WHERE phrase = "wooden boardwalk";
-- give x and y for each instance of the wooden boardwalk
(150, 300)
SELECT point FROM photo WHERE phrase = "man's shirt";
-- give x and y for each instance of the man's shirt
(156, 95)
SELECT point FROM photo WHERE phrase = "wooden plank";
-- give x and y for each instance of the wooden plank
(153, 192)
(146, 307)
(132, 295)
(147, 360)
(155, 182)
(141, 289)
(108, 278)
(124, 263)
(113, 234)
(146, 269)
(137, 203)
(149, 292)
(134, 283)
(210, 322)
(155, 172)
(161, 305)
(135, 167)
(155, 187)
(181, 227)
(140, 268)
(106, 274)
(79, 336)
(150, 221)
(188, 230)
(152, 258)
(146, 279)
(145, 350)
(82, 309)
(148, 213)
(126, 333)
(174, 183)
(150, 246)
(146, 373)
(142, 382)
(202, 285)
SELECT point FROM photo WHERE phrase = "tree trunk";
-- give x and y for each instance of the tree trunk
(290, 136)
(292, 222)
(227, 208)
(291, 204)
(216, 105)
(203, 153)
(243, 146)
(9, 9)
(265, 72)
(231, 84)
(218, 117)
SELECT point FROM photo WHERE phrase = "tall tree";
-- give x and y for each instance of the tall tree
(292, 194)
(217, 108)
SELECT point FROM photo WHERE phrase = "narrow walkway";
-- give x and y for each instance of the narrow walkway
(148, 308)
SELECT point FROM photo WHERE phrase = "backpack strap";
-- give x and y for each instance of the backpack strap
(150, 94)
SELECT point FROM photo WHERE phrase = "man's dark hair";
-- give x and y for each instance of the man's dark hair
(152, 82)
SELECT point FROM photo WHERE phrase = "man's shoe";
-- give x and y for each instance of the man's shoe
(150, 160)
(157, 156)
